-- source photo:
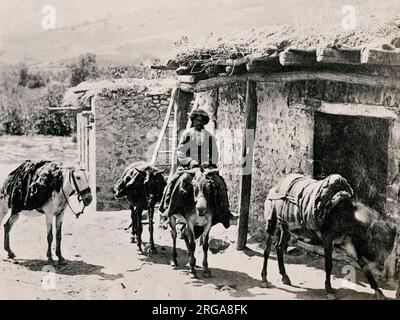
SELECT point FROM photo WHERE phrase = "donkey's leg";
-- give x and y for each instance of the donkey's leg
(3, 209)
(271, 228)
(368, 273)
(7, 229)
(133, 225)
(151, 230)
(206, 271)
(204, 238)
(281, 246)
(328, 250)
(172, 223)
(49, 226)
(59, 222)
(192, 248)
(139, 230)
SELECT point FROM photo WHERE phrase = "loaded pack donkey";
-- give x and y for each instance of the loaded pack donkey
(143, 185)
(42, 188)
(326, 210)
(195, 204)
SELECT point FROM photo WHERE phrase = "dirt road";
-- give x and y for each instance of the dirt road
(103, 264)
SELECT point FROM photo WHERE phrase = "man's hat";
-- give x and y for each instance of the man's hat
(200, 113)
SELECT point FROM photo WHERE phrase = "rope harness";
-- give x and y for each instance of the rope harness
(81, 193)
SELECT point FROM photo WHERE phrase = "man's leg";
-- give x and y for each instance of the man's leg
(165, 201)
(223, 197)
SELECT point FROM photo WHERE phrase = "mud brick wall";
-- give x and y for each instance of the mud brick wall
(128, 122)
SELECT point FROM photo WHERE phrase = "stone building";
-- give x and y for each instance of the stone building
(315, 103)
(118, 122)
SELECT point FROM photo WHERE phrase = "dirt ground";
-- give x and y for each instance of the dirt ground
(103, 264)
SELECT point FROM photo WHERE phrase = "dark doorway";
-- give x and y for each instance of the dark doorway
(356, 148)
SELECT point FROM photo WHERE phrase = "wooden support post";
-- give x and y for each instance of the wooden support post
(181, 102)
(247, 154)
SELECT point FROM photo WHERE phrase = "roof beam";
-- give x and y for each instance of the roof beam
(298, 57)
(380, 56)
(336, 55)
(353, 78)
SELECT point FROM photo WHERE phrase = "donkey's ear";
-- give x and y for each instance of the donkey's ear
(140, 171)
(160, 171)
(212, 171)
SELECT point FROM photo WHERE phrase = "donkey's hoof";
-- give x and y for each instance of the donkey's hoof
(11, 255)
(207, 273)
(139, 251)
(133, 240)
(265, 284)
(62, 261)
(193, 275)
(286, 280)
(379, 295)
(331, 296)
(153, 250)
(50, 260)
(173, 264)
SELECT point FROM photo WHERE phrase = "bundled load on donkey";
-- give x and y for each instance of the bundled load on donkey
(30, 185)
(308, 202)
(143, 185)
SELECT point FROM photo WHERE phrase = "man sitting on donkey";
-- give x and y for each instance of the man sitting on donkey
(198, 148)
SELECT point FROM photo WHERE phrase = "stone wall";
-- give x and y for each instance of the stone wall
(128, 122)
(284, 136)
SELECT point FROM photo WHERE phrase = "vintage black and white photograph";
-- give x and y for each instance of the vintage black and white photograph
(221, 150)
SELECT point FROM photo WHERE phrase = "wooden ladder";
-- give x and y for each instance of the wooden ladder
(165, 138)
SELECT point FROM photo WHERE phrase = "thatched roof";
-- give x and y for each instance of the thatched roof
(81, 95)
(270, 44)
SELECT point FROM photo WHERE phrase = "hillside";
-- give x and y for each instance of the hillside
(140, 31)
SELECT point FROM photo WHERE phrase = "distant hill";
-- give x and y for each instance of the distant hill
(150, 31)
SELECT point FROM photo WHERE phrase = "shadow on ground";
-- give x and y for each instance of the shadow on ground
(72, 268)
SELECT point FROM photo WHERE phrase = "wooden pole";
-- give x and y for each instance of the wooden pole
(181, 110)
(247, 165)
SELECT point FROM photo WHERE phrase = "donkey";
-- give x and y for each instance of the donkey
(327, 211)
(143, 185)
(42, 188)
(194, 203)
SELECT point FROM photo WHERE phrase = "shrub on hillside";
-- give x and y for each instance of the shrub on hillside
(54, 124)
(12, 123)
(85, 69)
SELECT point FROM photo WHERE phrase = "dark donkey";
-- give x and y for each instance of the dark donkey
(194, 203)
(326, 211)
(143, 185)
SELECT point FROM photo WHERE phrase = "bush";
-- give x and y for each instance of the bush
(13, 124)
(31, 80)
(36, 80)
(55, 124)
(85, 69)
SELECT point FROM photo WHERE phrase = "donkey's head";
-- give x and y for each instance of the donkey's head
(79, 181)
(201, 188)
(154, 184)
(376, 233)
